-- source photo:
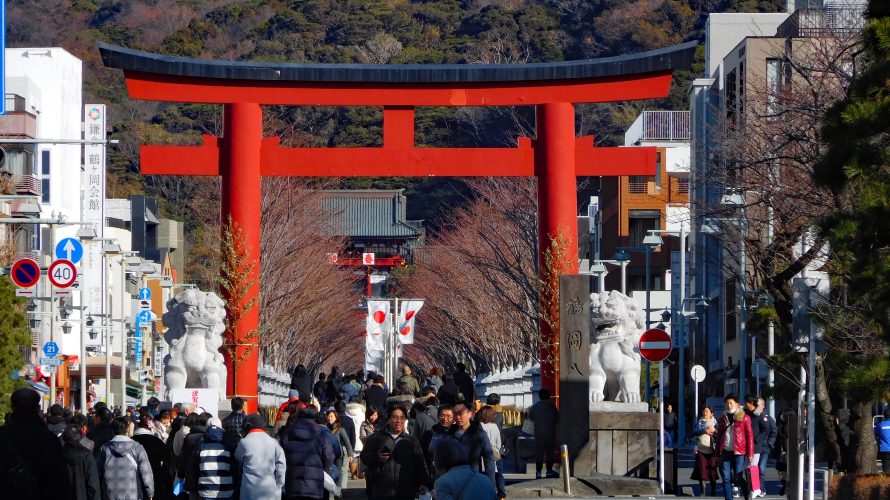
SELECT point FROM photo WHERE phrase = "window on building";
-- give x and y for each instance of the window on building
(44, 176)
(657, 171)
(683, 185)
(778, 77)
(640, 222)
(19, 161)
(731, 93)
(741, 93)
(639, 184)
(731, 317)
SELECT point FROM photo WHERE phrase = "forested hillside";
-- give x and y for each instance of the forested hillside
(349, 31)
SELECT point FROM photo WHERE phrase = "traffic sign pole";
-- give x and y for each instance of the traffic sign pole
(655, 345)
(661, 424)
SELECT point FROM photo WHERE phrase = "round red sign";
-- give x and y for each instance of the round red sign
(62, 273)
(25, 273)
(655, 344)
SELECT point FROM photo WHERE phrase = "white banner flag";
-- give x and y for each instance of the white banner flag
(379, 324)
(93, 211)
(407, 314)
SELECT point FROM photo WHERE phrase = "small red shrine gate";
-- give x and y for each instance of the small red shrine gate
(242, 156)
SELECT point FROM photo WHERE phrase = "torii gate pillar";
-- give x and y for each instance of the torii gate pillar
(557, 222)
(241, 198)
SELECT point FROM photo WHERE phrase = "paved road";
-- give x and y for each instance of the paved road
(689, 487)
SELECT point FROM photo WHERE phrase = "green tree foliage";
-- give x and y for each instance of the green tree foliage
(856, 166)
(15, 339)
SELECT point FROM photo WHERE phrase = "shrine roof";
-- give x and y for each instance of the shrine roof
(369, 213)
(668, 58)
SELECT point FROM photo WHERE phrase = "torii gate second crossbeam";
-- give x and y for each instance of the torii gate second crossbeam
(556, 156)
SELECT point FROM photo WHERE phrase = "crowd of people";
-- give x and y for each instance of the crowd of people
(416, 440)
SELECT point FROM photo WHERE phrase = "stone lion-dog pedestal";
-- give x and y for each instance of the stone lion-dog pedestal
(607, 428)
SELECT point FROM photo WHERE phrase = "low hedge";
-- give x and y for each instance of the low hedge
(860, 487)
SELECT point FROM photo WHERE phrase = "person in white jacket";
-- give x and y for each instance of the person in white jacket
(262, 461)
(356, 412)
(486, 419)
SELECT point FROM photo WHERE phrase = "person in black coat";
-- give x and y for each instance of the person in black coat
(670, 421)
(375, 396)
(308, 453)
(83, 475)
(466, 384)
(449, 391)
(196, 433)
(301, 381)
(30, 455)
(103, 432)
(395, 462)
(158, 457)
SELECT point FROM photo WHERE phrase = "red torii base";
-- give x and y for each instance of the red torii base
(556, 157)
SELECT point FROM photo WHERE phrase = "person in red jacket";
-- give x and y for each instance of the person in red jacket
(735, 444)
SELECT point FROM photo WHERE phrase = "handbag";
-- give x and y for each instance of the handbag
(528, 426)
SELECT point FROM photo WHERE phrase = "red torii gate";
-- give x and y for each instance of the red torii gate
(242, 156)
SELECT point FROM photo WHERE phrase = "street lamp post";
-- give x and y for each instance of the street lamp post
(737, 201)
(598, 268)
(681, 402)
(110, 248)
(86, 234)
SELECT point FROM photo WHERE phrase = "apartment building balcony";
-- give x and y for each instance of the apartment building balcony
(831, 21)
(658, 126)
(18, 124)
(26, 184)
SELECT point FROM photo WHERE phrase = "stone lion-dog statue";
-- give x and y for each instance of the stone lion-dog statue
(196, 329)
(617, 324)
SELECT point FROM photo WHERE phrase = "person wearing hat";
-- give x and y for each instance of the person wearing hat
(210, 468)
(261, 460)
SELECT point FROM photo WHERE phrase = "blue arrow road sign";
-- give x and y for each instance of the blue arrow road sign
(144, 293)
(144, 317)
(51, 349)
(69, 249)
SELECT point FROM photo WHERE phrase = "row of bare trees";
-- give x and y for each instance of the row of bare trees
(479, 278)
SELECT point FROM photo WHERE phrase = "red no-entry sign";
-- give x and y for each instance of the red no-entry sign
(25, 273)
(655, 345)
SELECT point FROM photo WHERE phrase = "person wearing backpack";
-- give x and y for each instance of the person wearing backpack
(32, 466)
(124, 469)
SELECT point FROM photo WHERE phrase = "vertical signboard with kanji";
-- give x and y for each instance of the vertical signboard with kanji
(93, 206)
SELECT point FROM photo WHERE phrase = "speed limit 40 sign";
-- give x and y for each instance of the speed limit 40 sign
(62, 273)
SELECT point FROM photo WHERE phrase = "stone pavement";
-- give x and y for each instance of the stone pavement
(688, 487)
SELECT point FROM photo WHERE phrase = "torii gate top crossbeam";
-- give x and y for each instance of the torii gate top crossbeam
(167, 78)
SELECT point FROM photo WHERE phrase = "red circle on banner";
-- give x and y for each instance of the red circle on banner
(379, 316)
(409, 315)
(406, 330)
(655, 344)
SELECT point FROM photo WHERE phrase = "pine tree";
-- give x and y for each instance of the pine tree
(14, 340)
(856, 166)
